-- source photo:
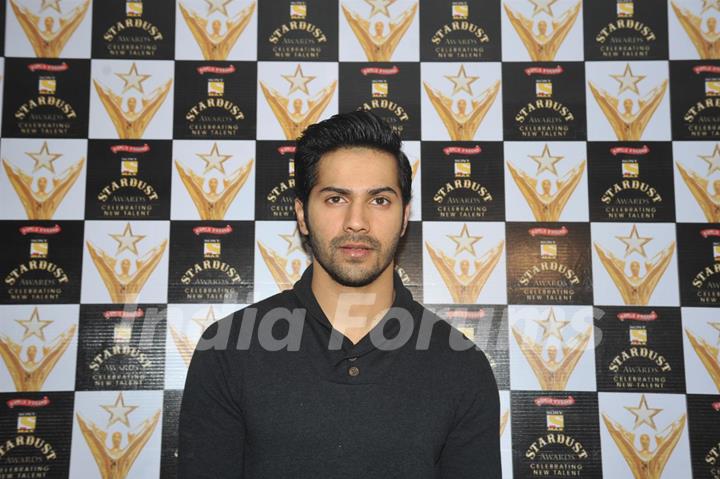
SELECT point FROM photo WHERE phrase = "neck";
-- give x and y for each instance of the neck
(353, 311)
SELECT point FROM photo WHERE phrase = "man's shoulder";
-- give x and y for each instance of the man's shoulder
(232, 323)
(452, 354)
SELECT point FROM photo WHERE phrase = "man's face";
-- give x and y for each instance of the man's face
(355, 215)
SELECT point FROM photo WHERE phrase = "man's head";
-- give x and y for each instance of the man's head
(352, 184)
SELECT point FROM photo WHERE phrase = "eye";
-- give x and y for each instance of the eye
(334, 199)
(382, 201)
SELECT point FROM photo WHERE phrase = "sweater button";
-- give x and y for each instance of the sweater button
(353, 371)
(354, 358)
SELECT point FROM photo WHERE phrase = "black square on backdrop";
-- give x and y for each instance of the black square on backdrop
(42, 262)
(544, 101)
(452, 31)
(298, 31)
(463, 181)
(138, 30)
(275, 180)
(636, 30)
(215, 100)
(631, 181)
(128, 180)
(390, 90)
(46, 98)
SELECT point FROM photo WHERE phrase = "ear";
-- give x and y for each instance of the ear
(300, 215)
(406, 218)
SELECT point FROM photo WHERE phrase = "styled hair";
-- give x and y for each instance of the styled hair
(355, 129)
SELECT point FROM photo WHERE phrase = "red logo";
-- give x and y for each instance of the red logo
(548, 231)
(549, 401)
(212, 230)
(626, 150)
(216, 70)
(448, 150)
(544, 71)
(380, 71)
(130, 148)
(43, 230)
(11, 403)
(33, 67)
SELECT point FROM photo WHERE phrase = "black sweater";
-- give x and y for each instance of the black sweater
(365, 410)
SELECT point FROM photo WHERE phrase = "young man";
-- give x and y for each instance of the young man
(344, 375)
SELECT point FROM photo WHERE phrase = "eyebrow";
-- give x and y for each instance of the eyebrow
(371, 191)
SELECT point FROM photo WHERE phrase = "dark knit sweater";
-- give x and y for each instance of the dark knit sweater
(365, 410)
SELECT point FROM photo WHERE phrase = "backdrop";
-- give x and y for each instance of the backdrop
(566, 201)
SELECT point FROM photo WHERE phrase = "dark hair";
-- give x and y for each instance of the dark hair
(357, 128)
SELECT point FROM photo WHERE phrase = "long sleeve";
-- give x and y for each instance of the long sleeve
(472, 449)
(211, 425)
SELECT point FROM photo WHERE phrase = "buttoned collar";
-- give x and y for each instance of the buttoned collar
(390, 327)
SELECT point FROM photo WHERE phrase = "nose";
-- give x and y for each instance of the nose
(356, 218)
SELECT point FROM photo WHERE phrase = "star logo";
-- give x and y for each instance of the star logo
(119, 411)
(462, 82)
(298, 81)
(34, 326)
(218, 6)
(127, 240)
(643, 414)
(132, 79)
(43, 158)
(628, 81)
(635, 242)
(545, 161)
(53, 4)
(551, 326)
(713, 160)
(214, 160)
(293, 241)
(205, 322)
(540, 6)
(380, 7)
(464, 241)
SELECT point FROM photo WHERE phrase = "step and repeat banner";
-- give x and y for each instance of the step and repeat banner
(566, 211)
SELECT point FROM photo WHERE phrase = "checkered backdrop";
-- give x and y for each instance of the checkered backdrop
(566, 195)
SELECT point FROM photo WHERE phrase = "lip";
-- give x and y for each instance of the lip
(356, 250)
(356, 246)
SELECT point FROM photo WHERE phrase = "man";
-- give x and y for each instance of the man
(344, 375)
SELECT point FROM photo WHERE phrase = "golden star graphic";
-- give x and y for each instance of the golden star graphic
(713, 160)
(127, 240)
(34, 326)
(545, 161)
(635, 242)
(643, 414)
(298, 81)
(551, 326)
(205, 322)
(218, 6)
(118, 411)
(54, 4)
(380, 7)
(628, 81)
(132, 79)
(464, 241)
(214, 160)
(43, 158)
(293, 241)
(462, 82)
(542, 6)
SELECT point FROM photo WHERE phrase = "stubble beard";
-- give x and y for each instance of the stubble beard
(352, 273)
